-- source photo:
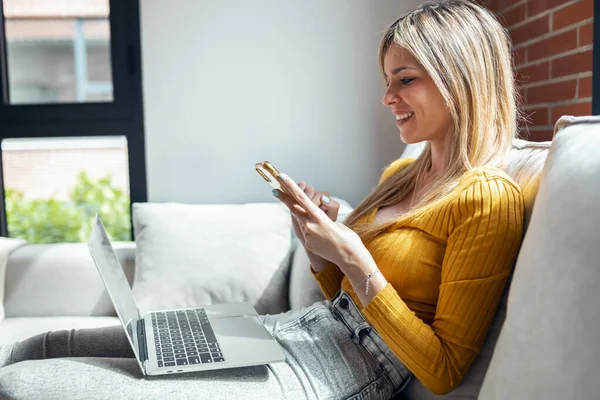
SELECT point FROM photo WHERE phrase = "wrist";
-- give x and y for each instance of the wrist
(357, 263)
(317, 264)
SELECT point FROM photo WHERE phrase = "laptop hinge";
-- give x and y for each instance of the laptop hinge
(143, 348)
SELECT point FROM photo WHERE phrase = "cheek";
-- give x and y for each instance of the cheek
(437, 107)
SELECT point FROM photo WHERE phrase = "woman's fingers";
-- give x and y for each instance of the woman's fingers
(303, 200)
(330, 206)
(290, 203)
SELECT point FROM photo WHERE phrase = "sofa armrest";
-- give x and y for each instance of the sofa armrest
(60, 279)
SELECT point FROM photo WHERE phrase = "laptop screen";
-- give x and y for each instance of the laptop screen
(115, 281)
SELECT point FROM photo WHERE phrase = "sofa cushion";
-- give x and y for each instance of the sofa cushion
(548, 347)
(121, 378)
(525, 166)
(193, 255)
(7, 246)
(15, 329)
(58, 274)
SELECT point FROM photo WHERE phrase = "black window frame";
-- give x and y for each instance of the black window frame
(596, 62)
(122, 117)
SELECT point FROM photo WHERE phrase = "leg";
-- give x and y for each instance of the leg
(98, 342)
(328, 355)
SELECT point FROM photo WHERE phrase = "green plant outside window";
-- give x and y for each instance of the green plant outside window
(54, 221)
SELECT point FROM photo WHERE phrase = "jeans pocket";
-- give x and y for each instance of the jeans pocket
(333, 364)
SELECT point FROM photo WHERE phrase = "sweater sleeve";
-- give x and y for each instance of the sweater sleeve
(330, 278)
(486, 227)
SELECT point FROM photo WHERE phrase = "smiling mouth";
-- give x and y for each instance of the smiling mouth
(401, 119)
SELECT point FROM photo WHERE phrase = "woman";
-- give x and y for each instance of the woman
(414, 276)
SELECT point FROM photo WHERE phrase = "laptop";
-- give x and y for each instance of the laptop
(183, 340)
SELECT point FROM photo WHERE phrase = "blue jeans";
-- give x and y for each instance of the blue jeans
(332, 352)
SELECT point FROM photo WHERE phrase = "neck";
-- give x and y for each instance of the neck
(438, 158)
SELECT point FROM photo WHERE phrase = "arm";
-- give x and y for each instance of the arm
(329, 277)
(480, 254)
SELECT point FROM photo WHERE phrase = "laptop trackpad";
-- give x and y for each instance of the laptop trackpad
(242, 327)
(245, 341)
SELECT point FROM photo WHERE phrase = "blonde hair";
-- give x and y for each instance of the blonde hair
(467, 54)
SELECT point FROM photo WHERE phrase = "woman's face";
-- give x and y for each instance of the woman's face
(419, 109)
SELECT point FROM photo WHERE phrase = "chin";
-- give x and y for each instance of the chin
(408, 138)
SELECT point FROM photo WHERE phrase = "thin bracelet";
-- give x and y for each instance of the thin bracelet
(367, 279)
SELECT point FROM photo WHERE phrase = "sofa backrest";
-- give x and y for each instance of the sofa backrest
(525, 166)
(548, 347)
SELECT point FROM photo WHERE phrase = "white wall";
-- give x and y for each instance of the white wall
(231, 82)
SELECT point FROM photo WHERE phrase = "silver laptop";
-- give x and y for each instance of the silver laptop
(183, 340)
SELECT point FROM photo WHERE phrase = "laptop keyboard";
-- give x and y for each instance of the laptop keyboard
(184, 337)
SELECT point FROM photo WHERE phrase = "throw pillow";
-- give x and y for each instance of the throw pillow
(193, 255)
(6, 247)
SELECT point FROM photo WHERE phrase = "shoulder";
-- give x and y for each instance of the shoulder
(487, 178)
(395, 166)
(488, 190)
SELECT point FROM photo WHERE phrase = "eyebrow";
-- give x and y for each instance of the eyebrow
(401, 68)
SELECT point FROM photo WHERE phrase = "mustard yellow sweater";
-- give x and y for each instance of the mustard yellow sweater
(447, 267)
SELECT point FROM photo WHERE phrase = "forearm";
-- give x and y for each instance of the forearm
(362, 272)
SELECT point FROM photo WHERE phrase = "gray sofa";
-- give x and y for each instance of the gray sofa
(542, 344)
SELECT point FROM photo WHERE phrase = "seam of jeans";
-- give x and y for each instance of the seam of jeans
(10, 354)
(374, 358)
(364, 392)
(388, 354)
(302, 320)
(44, 347)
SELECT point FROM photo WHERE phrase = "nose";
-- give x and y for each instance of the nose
(390, 97)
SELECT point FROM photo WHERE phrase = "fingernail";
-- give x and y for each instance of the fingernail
(283, 176)
(325, 199)
(275, 192)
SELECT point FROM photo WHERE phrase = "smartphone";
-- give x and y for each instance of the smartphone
(271, 175)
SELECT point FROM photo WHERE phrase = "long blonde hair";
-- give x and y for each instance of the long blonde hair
(467, 54)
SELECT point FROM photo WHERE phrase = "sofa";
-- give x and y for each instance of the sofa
(542, 343)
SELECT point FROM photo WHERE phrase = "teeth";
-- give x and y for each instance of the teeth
(403, 116)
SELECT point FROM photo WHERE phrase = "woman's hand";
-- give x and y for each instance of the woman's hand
(332, 241)
(315, 226)
(325, 203)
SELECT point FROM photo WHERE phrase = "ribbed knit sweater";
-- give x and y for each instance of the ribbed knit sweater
(446, 267)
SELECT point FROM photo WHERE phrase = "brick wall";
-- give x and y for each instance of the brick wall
(553, 44)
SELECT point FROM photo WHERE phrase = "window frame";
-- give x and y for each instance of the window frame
(122, 117)
(596, 61)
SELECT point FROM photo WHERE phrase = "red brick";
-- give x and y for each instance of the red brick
(537, 116)
(553, 45)
(586, 34)
(540, 136)
(552, 92)
(573, 64)
(522, 94)
(582, 10)
(530, 30)
(534, 73)
(520, 56)
(538, 6)
(576, 110)
(498, 5)
(514, 16)
(585, 87)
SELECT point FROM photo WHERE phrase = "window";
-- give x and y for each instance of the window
(71, 118)
(58, 54)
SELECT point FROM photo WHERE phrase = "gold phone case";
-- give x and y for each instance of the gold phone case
(271, 175)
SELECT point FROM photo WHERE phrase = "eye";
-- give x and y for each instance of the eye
(406, 81)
